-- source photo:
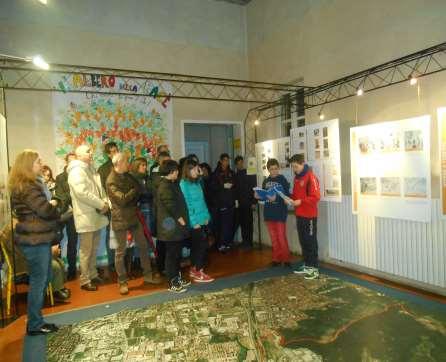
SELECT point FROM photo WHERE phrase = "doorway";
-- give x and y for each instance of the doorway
(208, 140)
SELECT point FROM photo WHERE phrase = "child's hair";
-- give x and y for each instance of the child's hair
(272, 162)
(108, 147)
(138, 162)
(238, 159)
(223, 156)
(168, 167)
(207, 167)
(46, 168)
(297, 158)
(189, 164)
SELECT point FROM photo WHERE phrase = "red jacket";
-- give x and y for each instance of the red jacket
(306, 188)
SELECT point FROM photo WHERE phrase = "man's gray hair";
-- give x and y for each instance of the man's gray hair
(118, 158)
(81, 150)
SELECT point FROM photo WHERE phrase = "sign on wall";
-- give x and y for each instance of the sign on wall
(137, 124)
(319, 143)
(442, 148)
(391, 174)
(279, 149)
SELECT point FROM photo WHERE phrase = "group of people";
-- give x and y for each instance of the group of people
(177, 202)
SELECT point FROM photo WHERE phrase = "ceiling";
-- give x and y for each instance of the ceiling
(239, 2)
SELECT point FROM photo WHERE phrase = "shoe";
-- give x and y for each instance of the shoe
(89, 287)
(313, 273)
(45, 329)
(202, 277)
(183, 282)
(193, 273)
(222, 249)
(97, 281)
(60, 296)
(287, 265)
(177, 288)
(303, 269)
(152, 279)
(123, 288)
(66, 291)
(275, 263)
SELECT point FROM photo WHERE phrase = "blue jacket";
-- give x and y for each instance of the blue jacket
(276, 210)
(196, 204)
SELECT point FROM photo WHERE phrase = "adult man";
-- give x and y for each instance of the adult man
(161, 149)
(246, 202)
(124, 191)
(90, 206)
(62, 193)
(110, 149)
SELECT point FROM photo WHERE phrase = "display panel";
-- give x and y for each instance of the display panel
(391, 174)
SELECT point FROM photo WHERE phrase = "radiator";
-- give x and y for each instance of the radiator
(407, 249)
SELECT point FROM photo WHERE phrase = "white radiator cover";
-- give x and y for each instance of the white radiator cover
(412, 250)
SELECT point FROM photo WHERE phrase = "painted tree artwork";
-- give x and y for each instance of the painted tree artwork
(137, 124)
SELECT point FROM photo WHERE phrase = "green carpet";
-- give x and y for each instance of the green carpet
(284, 318)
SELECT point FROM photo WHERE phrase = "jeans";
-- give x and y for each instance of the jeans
(110, 252)
(279, 241)
(173, 259)
(307, 230)
(71, 246)
(38, 260)
(198, 248)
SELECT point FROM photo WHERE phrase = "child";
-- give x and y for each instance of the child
(198, 219)
(171, 216)
(306, 195)
(275, 214)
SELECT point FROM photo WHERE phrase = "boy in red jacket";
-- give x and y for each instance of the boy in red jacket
(306, 195)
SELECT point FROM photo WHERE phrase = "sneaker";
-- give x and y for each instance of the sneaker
(184, 283)
(123, 288)
(303, 269)
(202, 277)
(222, 249)
(177, 288)
(194, 273)
(313, 273)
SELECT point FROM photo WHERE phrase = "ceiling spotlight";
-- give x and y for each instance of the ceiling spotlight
(413, 80)
(44, 2)
(321, 116)
(39, 62)
(256, 122)
(359, 92)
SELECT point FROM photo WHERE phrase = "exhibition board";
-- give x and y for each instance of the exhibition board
(442, 148)
(390, 169)
(320, 145)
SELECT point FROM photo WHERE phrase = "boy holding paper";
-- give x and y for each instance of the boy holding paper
(306, 196)
(275, 212)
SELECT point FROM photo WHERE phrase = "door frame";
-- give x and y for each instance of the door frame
(189, 121)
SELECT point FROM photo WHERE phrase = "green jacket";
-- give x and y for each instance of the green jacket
(62, 191)
(123, 191)
(104, 170)
(169, 207)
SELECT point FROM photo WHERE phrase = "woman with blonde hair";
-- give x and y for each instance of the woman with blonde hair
(36, 230)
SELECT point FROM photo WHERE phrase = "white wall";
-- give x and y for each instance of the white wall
(325, 40)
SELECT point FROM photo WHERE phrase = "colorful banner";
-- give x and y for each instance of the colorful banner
(442, 147)
(137, 124)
